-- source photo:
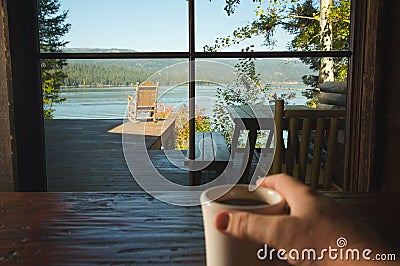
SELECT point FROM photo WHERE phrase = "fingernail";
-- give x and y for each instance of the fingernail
(222, 221)
(260, 180)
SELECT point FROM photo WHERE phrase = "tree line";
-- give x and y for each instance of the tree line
(99, 75)
(120, 73)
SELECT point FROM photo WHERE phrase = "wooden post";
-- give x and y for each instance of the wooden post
(316, 162)
(365, 81)
(8, 171)
(291, 146)
(27, 92)
(304, 146)
(277, 163)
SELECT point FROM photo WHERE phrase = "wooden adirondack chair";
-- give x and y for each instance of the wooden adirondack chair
(311, 151)
(145, 101)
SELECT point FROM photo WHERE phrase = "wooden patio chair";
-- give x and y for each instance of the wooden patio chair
(145, 101)
(311, 151)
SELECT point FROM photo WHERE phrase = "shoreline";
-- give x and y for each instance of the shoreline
(134, 85)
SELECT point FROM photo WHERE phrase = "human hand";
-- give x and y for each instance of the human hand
(314, 222)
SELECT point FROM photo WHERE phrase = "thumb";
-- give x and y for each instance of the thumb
(261, 228)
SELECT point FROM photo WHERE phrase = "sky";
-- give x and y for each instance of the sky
(155, 25)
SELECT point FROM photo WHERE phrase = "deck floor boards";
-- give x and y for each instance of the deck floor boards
(87, 155)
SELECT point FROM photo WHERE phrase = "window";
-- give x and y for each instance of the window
(140, 34)
(30, 159)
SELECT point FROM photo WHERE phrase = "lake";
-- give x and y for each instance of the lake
(110, 103)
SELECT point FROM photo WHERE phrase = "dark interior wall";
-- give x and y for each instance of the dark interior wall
(388, 120)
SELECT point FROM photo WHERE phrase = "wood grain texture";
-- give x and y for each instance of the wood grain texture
(364, 86)
(134, 228)
(87, 155)
(251, 116)
(82, 229)
(278, 118)
(8, 170)
(332, 154)
(332, 99)
(310, 129)
(304, 148)
(316, 162)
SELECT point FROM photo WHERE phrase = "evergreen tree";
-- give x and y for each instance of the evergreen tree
(52, 28)
(322, 25)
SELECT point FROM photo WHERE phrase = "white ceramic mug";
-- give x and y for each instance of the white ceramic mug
(224, 250)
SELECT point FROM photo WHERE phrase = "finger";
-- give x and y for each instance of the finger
(295, 193)
(264, 229)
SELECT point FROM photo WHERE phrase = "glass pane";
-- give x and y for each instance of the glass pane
(85, 139)
(96, 89)
(121, 25)
(253, 86)
(298, 81)
(272, 26)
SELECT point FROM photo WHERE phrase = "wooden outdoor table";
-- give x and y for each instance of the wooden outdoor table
(252, 118)
(132, 228)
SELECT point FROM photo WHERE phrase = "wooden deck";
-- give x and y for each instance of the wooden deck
(87, 155)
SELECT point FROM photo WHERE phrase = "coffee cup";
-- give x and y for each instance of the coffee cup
(225, 250)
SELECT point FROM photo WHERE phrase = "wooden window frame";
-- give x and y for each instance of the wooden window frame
(362, 103)
(28, 105)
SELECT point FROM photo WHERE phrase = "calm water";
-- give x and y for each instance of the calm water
(110, 103)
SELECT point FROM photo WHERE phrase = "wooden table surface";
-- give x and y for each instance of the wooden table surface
(251, 115)
(132, 228)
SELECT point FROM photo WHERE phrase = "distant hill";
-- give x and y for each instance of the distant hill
(125, 72)
(97, 50)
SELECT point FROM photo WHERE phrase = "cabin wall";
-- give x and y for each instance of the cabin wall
(387, 176)
(8, 170)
